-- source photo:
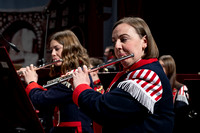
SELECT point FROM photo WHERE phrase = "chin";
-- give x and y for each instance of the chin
(58, 64)
(127, 63)
(124, 64)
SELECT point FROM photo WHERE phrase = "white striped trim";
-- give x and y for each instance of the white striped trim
(145, 86)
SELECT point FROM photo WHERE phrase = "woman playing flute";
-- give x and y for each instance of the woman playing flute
(68, 117)
(139, 99)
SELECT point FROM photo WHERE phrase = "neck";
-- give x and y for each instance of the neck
(131, 64)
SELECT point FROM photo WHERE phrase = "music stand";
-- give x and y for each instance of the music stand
(17, 113)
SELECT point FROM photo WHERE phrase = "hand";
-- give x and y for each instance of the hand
(30, 74)
(20, 71)
(81, 76)
(70, 80)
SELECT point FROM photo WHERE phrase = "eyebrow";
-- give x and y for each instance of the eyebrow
(122, 35)
(54, 46)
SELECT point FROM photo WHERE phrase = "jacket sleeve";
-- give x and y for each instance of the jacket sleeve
(134, 97)
(54, 95)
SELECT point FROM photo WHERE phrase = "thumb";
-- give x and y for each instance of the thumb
(85, 69)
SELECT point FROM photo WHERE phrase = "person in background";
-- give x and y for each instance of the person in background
(109, 53)
(139, 98)
(179, 91)
(110, 56)
(68, 118)
(96, 80)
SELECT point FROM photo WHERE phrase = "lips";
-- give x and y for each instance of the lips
(121, 55)
(55, 60)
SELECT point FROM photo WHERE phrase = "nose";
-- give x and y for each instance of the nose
(53, 52)
(118, 44)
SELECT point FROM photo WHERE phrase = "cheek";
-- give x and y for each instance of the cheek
(60, 53)
(134, 47)
(137, 50)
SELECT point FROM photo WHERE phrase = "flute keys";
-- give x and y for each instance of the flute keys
(54, 80)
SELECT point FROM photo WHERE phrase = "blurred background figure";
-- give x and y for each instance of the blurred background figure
(180, 93)
(96, 80)
(109, 55)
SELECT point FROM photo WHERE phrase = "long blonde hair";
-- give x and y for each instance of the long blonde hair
(73, 54)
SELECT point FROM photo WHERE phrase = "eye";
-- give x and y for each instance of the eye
(123, 39)
(57, 49)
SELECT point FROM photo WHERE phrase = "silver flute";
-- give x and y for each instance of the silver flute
(67, 77)
(42, 66)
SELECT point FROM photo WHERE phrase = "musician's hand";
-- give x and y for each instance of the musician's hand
(20, 71)
(70, 80)
(81, 77)
(66, 74)
(30, 74)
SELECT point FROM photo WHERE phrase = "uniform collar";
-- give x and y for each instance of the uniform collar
(136, 65)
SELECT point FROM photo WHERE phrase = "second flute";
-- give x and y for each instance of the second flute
(65, 78)
(42, 66)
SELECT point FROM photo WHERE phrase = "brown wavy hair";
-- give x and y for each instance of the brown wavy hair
(170, 67)
(73, 54)
(142, 30)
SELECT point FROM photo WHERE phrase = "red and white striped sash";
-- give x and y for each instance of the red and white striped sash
(182, 94)
(145, 86)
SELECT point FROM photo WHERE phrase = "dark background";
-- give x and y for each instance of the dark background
(174, 24)
(175, 27)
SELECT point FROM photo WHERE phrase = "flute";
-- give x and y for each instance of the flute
(42, 66)
(65, 78)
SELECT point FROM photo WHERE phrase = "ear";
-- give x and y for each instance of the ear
(144, 44)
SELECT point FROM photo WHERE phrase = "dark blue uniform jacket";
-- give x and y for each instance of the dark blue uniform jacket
(71, 118)
(127, 107)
